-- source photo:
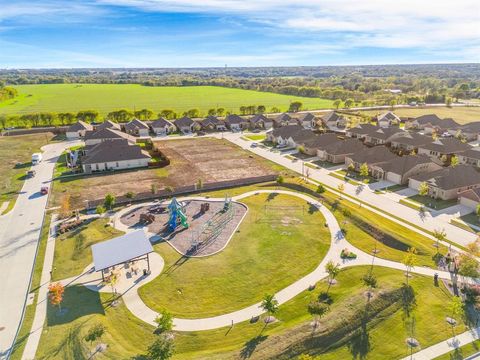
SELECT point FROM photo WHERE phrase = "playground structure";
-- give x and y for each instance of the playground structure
(177, 215)
(213, 227)
(146, 218)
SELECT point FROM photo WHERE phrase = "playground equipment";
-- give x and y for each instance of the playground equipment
(147, 218)
(177, 215)
(204, 207)
(214, 226)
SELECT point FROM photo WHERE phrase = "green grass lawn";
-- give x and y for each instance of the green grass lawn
(436, 204)
(13, 150)
(61, 167)
(462, 352)
(466, 221)
(256, 137)
(264, 256)
(72, 249)
(339, 176)
(395, 188)
(461, 115)
(385, 332)
(358, 177)
(107, 97)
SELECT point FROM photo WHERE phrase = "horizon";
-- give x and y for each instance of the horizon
(59, 34)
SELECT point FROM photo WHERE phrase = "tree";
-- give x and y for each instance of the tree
(94, 333)
(275, 109)
(393, 102)
(270, 305)
(317, 309)
(261, 109)
(130, 195)
(351, 167)
(456, 309)
(162, 348)
(212, 112)
(3, 121)
(341, 187)
(280, 180)
(468, 266)
(243, 110)
(409, 261)
(100, 210)
(332, 270)
(444, 158)
(440, 235)
(423, 189)
(370, 280)
(109, 201)
(364, 170)
(349, 103)
(454, 161)
(220, 111)
(477, 210)
(199, 184)
(144, 114)
(295, 106)
(164, 322)
(55, 294)
(448, 102)
(193, 113)
(320, 189)
(167, 114)
(301, 149)
(337, 103)
(153, 188)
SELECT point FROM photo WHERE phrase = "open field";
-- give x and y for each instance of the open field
(190, 160)
(384, 330)
(462, 115)
(270, 250)
(13, 150)
(107, 97)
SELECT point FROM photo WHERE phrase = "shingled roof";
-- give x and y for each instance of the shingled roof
(108, 134)
(447, 146)
(183, 122)
(80, 126)
(135, 124)
(345, 147)
(363, 129)
(111, 151)
(321, 141)
(306, 117)
(412, 138)
(286, 131)
(451, 177)
(403, 164)
(108, 124)
(259, 117)
(331, 116)
(389, 116)
(160, 123)
(234, 119)
(473, 153)
(373, 155)
(283, 117)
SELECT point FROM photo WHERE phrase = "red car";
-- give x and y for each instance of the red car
(44, 190)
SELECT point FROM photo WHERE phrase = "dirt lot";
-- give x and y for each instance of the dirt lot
(191, 159)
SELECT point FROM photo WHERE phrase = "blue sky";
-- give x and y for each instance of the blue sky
(193, 33)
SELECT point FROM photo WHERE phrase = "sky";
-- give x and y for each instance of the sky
(211, 33)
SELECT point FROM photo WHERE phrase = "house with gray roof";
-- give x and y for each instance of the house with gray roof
(108, 124)
(470, 157)
(431, 123)
(470, 198)
(290, 135)
(443, 147)
(468, 132)
(78, 130)
(360, 131)
(388, 119)
(409, 141)
(260, 121)
(114, 155)
(337, 151)
(447, 183)
(382, 136)
(137, 127)
(95, 137)
(316, 142)
(185, 125)
(400, 169)
(162, 127)
(212, 123)
(333, 121)
(284, 120)
(370, 156)
(307, 120)
(236, 123)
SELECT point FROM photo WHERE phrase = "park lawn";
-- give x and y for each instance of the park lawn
(463, 352)
(256, 137)
(13, 150)
(270, 251)
(462, 115)
(72, 249)
(107, 97)
(436, 204)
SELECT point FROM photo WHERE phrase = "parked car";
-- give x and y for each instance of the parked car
(44, 190)
(253, 145)
(31, 173)
(36, 158)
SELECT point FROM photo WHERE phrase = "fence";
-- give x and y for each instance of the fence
(165, 193)
(53, 129)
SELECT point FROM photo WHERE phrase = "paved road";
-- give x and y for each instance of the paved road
(19, 235)
(388, 203)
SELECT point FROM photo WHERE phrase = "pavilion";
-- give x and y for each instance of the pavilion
(121, 250)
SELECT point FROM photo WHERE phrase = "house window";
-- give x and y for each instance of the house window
(116, 164)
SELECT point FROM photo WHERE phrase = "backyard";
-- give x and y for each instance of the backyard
(15, 159)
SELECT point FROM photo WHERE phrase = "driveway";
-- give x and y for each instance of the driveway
(19, 235)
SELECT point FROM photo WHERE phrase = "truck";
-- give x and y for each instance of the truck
(36, 158)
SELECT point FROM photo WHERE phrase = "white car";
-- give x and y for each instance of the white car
(36, 158)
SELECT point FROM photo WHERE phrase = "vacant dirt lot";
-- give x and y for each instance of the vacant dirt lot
(191, 159)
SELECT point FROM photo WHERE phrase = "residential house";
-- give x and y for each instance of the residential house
(470, 198)
(313, 144)
(212, 123)
(185, 125)
(137, 128)
(95, 137)
(447, 183)
(370, 156)
(289, 136)
(470, 157)
(236, 122)
(114, 155)
(409, 141)
(78, 130)
(468, 132)
(336, 152)
(382, 136)
(260, 121)
(443, 149)
(284, 120)
(333, 121)
(431, 123)
(360, 131)
(307, 120)
(108, 124)
(388, 119)
(162, 127)
(400, 169)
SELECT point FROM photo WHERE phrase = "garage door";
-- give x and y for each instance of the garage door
(468, 202)
(414, 184)
(395, 178)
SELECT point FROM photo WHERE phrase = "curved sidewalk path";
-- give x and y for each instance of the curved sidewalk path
(338, 242)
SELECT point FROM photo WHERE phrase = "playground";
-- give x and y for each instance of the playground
(194, 228)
